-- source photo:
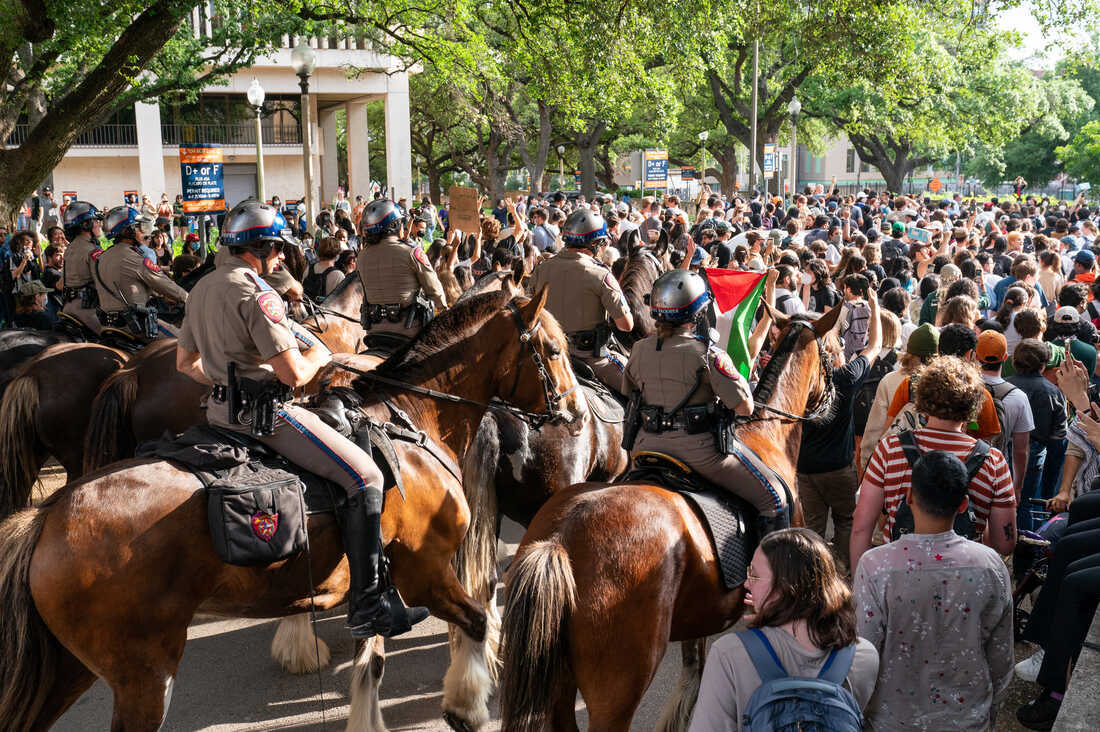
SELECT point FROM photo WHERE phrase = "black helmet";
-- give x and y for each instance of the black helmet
(585, 229)
(678, 296)
(379, 219)
(256, 227)
(79, 216)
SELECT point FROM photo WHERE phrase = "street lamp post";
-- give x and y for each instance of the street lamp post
(256, 99)
(703, 148)
(794, 107)
(303, 60)
(561, 167)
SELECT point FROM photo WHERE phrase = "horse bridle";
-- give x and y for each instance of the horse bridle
(763, 394)
(534, 419)
(549, 388)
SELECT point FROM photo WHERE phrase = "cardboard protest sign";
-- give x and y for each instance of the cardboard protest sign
(464, 212)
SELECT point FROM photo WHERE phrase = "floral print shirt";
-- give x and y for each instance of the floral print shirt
(938, 608)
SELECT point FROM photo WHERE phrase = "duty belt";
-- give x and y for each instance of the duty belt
(693, 420)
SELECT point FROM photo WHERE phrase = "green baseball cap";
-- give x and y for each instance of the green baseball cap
(924, 341)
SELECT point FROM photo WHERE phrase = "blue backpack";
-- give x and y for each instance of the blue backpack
(785, 703)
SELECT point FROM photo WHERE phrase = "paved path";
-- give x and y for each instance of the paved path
(227, 681)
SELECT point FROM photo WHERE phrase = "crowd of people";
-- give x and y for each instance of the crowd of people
(965, 364)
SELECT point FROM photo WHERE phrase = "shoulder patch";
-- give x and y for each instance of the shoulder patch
(151, 265)
(272, 305)
(419, 255)
(724, 363)
(610, 281)
(95, 254)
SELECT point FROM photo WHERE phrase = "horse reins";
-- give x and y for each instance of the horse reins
(764, 393)
(534, 419)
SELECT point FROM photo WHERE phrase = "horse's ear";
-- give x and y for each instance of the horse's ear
(518, 270)
(827, 321)
(780, 320)
(533, 309)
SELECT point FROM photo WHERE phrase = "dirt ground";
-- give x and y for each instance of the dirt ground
(1021, 692)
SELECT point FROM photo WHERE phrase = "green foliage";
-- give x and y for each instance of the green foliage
(1081, 157)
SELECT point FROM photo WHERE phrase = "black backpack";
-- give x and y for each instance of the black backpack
(966, 522)
(315, 284)
(866, 394)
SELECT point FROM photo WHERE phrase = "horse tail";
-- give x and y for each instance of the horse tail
(541, 598)
(109, 438)
(28, 650)
(19, 461)
(475, 561)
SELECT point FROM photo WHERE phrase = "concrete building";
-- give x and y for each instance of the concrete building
(138, 151)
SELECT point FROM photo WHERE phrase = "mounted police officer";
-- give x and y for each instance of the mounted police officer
(400, 287)
(583, 294)
(236, 336)
(679, 383)
(126, 277)
(83, 224)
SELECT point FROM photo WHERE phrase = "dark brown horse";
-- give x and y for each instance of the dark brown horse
(103, 578)
(607, 575)
(640, 272)
(45, 410)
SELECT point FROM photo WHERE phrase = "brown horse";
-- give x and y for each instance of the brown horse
(607, 575)
(44, 412)
(640, 272)
(104, 577)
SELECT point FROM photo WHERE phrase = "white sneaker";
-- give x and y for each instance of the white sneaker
(1028, 669)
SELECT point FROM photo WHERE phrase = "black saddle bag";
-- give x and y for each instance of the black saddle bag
(256, 518)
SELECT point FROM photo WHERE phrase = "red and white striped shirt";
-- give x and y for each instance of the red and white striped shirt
(890, 471)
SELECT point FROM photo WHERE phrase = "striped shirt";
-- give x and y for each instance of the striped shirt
(890, 471)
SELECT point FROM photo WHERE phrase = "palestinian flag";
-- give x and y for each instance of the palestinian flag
(737, 295)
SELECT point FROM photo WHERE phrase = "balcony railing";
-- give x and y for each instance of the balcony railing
(240, 133)
(114, 135)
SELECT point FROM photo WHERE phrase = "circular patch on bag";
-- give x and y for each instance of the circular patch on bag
(272, 305)
(264, 524)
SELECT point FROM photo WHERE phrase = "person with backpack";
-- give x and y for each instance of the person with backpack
(855, 317)
(324, 274)
(938, 608)
(1012, 406)
(949, 394)
(800, 664)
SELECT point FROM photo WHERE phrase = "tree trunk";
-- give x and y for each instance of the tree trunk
(727, 174)
(587, 141)
(435, 183)
(893, 158)
(536, 166)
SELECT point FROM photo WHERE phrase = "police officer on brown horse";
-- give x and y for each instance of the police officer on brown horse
(400, 287)
(583, 294)
(682, 382)
(83, 225)
(126, 277)
(236, 337)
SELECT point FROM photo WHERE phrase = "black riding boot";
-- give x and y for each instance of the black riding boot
(374, 607)
(767, 524)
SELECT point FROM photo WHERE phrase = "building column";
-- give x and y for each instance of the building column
(330, 174)
(150, 150)
(398, 137)
(358, 157)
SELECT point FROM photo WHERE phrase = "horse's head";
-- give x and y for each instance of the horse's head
(800, 348)
(532, 364)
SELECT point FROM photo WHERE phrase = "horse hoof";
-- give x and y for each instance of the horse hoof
(456, 723)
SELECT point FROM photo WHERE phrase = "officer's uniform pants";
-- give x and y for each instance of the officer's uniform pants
(608, 369)
(725, 471)
(86, 316)
(302, 438)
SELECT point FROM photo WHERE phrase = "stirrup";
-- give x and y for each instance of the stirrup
(387, 616)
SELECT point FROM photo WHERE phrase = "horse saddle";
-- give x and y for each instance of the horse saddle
(71, 326)
(382, 344)
(605, 404)
(729, 519)
(121, 339)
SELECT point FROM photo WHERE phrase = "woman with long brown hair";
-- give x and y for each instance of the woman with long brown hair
(804, 610)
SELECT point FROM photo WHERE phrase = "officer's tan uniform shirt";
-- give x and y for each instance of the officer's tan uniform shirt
(233, 315)
(122, 268)
(666, 376)
(77, 270)
(393, 272)
(581, 290)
